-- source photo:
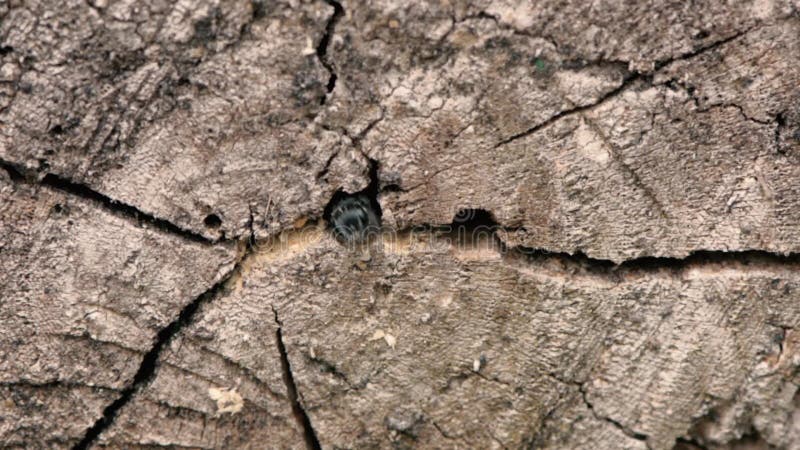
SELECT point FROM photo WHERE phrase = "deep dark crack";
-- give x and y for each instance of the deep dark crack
(780, 123)
(147, 368)
(649, 264)
(324, 43)
(116, 207)
(700, 50)
(14, 173)
(683, 443)
(251, 238)
(312, 442)
(120, 208)
(55, 383)
(465, 233)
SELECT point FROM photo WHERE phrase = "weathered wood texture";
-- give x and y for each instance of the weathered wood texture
(85, 292)
(166, 278)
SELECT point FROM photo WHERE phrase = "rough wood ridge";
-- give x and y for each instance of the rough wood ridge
(167, 278)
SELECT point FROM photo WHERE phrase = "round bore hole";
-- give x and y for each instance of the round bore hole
(212, 221)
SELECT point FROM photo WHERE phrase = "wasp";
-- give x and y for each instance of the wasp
(353, 218)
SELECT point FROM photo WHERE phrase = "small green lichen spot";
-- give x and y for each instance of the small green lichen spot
(539, 63)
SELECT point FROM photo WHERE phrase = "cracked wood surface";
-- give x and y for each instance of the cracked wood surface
(166, 279)
(84, 294)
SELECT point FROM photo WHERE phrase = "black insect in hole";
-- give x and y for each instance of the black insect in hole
(353, 218)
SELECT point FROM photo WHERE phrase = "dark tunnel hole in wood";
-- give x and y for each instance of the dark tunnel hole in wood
(212, 221)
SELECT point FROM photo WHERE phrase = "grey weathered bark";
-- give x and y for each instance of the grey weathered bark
(166, 277)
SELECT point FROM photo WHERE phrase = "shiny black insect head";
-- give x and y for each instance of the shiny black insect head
(353, 219)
